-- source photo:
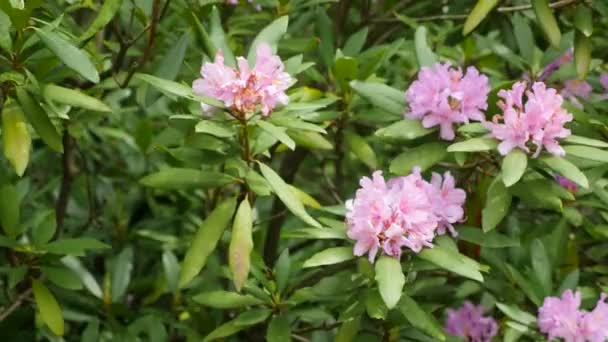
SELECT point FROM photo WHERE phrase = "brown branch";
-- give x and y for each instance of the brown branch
(16, 304)
(69, 170)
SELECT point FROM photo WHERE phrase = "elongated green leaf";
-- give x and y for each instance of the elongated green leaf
(587, 152)
(516, 314)
(241, 245)
(310, 140)
(244, 320)
(225, 299)
(582, 54)
(15, 137)
(85, 276)
(498, 202)
(288, 198)
(270, 35)
(523, 36)
(361, 149)
(63, 277)
(419, 318)
(381, 96)
(73, 98)
(423, 156)
(104, 16)
(74, 246)
(547, 21)
(583, 20)
(390, 279)
(479, 12)
(405, 129)
(314, 233)
(70, 55)
(213, 128)
(579, 140)
(566, 169)
(513, 166)
(121, 274)
(541, 266)
(424, 54)
(474, 145)
(330, 256)
(50, 311)
(278, 329)
(218, 37)
(38, 118)
(486, 239)
(355, 42)
(282, 270)
(6, 41)
(205, 241)
(179, 178)
(9, 210)
(177, 89)
(324, 28)
(278, 133)
(44, 230)
(452, 261)
(171, 269)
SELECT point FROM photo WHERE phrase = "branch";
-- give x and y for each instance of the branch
(66, 181)
(16, 304)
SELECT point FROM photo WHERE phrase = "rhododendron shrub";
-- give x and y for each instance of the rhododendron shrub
(303, 170)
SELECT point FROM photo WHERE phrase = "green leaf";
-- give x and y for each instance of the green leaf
(277, 132)
(474, 145)
(314, 233)
(570, 281)
(63, 277)
(286, 196)
(424, 54)
(44, 230)
(513, 166)
(566, 169)
(345, 70)
(225, 300)
(271, 35)
(213, 128)
(374, 304)
(405, 129)
(179, 178)
(218, 37)
(70, 55)
(171, 269)
(361, 149)
(542, 193)
(582, 54)
(355, 42)
(122, 267)
(587, 152)
(9, 210)
(541, 266)
(73, 98)
(38, 118)
(15, 137)
(348, 330)
(241, 244)
(390, 279)
(205, 241)
(516, 314)
(330, 256)
(498, 202)
(310, 140)
(85, 276)
(423, 156)
(452, 261)
(547, 22)
(106, 13)
(74, 246)
(324, 28)
(523, 36)
(282, 270)
(578, 140)
(6, 41)
(419, 318)
(50, 311)
(381, 96)
(278, 329)
(479, 12)
(583, 20)
(177, 89)
(487, 239)
(244, 320)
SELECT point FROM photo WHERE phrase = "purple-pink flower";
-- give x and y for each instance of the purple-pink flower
(406, 212)
(538, 122)
(562, 318)
(566, 183)
(567, 57)
(469, 323)
(442, 96)
(245, 89)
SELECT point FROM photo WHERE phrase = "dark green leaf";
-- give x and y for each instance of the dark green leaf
(178, 178)
(225, 300)
(39, 119)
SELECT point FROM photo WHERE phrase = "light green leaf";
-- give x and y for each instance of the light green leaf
(278, 329)
(424, 54)
(50, 311)
(587, 152)
(281, 189)
(39, 119)
(361, 149)
(582, 54)
(541, 266)
(270, 35)
(579, 140)
(345, 69)
(104, 16)
(474, 145)
(583, 20)
(419, 318)
(498, 202)
(310, 140)
(277, 132)
(516, 314)
(390, 279)
(355, 42)
(513, 166)
(486, 239)
(15, 137)
(205, 240)
(547, 22)
(6, 41)
(218, 37)
(241, 244)
(452, 261)
(171, 269)
(74, 246)
(70, 55)
(423, 156)
(523, 36)
(63, 277)
(122, 267)
(177, 89)
(330, 256)
(406, 129)
(85, 276)
(381, 96)
(225, 300)
(479, 12)
(73, 98)
(180, 178)
(566, 169)
(244, 320)
(213, 128)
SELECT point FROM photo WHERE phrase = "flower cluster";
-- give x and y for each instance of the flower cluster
(442, 96)
(469, 323)
(405, 211)
(243, 90)
(539, 122)
(562, 318)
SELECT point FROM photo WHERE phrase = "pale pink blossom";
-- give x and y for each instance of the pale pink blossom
(559, 317)
(594, 324)
(442, 96)
(406, 212)
(246, 89)
(469, 323)
(576, 88)
(538, 122)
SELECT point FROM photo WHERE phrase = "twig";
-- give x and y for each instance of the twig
(66, 181)
(299, 338)
(16, 304)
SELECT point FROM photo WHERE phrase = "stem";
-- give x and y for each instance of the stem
(16, 304)
(66, 182)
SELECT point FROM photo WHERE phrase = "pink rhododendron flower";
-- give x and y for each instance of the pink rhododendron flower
(403, 212)
(245, 89)
(575, 89)
(594, 324)
(443, 96)
(469, 323)
(566, 183)
(538, 122)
